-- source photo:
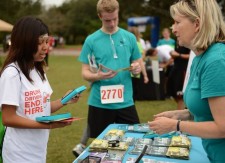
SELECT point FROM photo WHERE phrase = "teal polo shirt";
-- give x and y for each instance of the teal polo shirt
(170, 42)
(207, 80)
(103, 46)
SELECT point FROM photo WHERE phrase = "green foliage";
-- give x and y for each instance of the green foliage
(75, 19)
(12, 10)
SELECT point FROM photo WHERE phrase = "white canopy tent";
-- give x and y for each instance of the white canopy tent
(4, 26)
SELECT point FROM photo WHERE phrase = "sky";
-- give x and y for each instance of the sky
(49, 3)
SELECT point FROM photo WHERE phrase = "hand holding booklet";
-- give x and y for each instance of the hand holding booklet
(104, 68)
(72, 94)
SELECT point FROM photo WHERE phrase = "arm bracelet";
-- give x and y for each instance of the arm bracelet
(178, 125)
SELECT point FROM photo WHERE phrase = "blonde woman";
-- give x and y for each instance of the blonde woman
(199, 26)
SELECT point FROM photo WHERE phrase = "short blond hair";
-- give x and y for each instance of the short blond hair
(107, 6)
(166, 29)
(208, 12)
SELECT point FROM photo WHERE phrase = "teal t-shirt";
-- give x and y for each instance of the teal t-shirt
(102, 47)
(207, 80)
(170, 42)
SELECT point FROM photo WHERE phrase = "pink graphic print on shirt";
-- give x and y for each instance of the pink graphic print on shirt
(33, 102)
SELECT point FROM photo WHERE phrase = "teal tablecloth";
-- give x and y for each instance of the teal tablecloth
(197, 153)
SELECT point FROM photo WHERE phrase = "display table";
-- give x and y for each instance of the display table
(197, 153)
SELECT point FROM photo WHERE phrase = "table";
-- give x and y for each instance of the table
(197, 153)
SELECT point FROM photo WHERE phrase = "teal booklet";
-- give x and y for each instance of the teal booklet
(72, 94)
(53, 118)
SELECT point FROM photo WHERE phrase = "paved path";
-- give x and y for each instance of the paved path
(58, 51)
(70, 52)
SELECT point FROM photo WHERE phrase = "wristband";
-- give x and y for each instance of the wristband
(178, 125)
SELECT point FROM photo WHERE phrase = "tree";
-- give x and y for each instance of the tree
(12, 10)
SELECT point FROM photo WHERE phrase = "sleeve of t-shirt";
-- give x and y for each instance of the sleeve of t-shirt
(213, 79)
(159, 43)
(135, 54)
(10, 86)
(86, 50)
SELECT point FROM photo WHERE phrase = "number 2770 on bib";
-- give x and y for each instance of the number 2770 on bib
(112, 94)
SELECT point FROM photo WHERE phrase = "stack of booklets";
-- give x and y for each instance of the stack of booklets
(101, 145)
(175, 147)
(114, 134)
(141, 127)
(129, 140)
(98, 145)
(144, 128)
(64, 117)
(113, 139)
(112, 156)
(118, 135)
(145, 160)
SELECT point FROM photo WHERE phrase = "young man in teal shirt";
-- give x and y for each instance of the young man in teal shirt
(110, 100)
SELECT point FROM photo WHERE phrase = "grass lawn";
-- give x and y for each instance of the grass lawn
(65, 74)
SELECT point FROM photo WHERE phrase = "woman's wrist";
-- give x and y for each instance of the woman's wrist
(184, 115)
(191, 117)
(61, 102)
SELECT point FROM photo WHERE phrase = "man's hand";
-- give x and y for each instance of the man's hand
(135, 68)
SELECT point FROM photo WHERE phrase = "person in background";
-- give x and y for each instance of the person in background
(25, 94)
(142, 42)
(148, 45)
(114, 48)
(136, 79)
(162, 53)
(164, 57)
(166, 40)
(177, 75)
(199, 26)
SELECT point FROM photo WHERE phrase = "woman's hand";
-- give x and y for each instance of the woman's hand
(59, 124)
(74, 99)
(162, 125)
(169, 114)
(175, 114)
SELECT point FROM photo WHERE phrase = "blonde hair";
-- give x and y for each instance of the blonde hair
(136, 32)
(209, 15)
(107, 6)
(166, 30)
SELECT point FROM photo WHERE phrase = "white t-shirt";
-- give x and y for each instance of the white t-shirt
(32, 100)
(164, 53)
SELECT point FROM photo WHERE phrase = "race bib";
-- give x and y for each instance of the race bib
(112, 94)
